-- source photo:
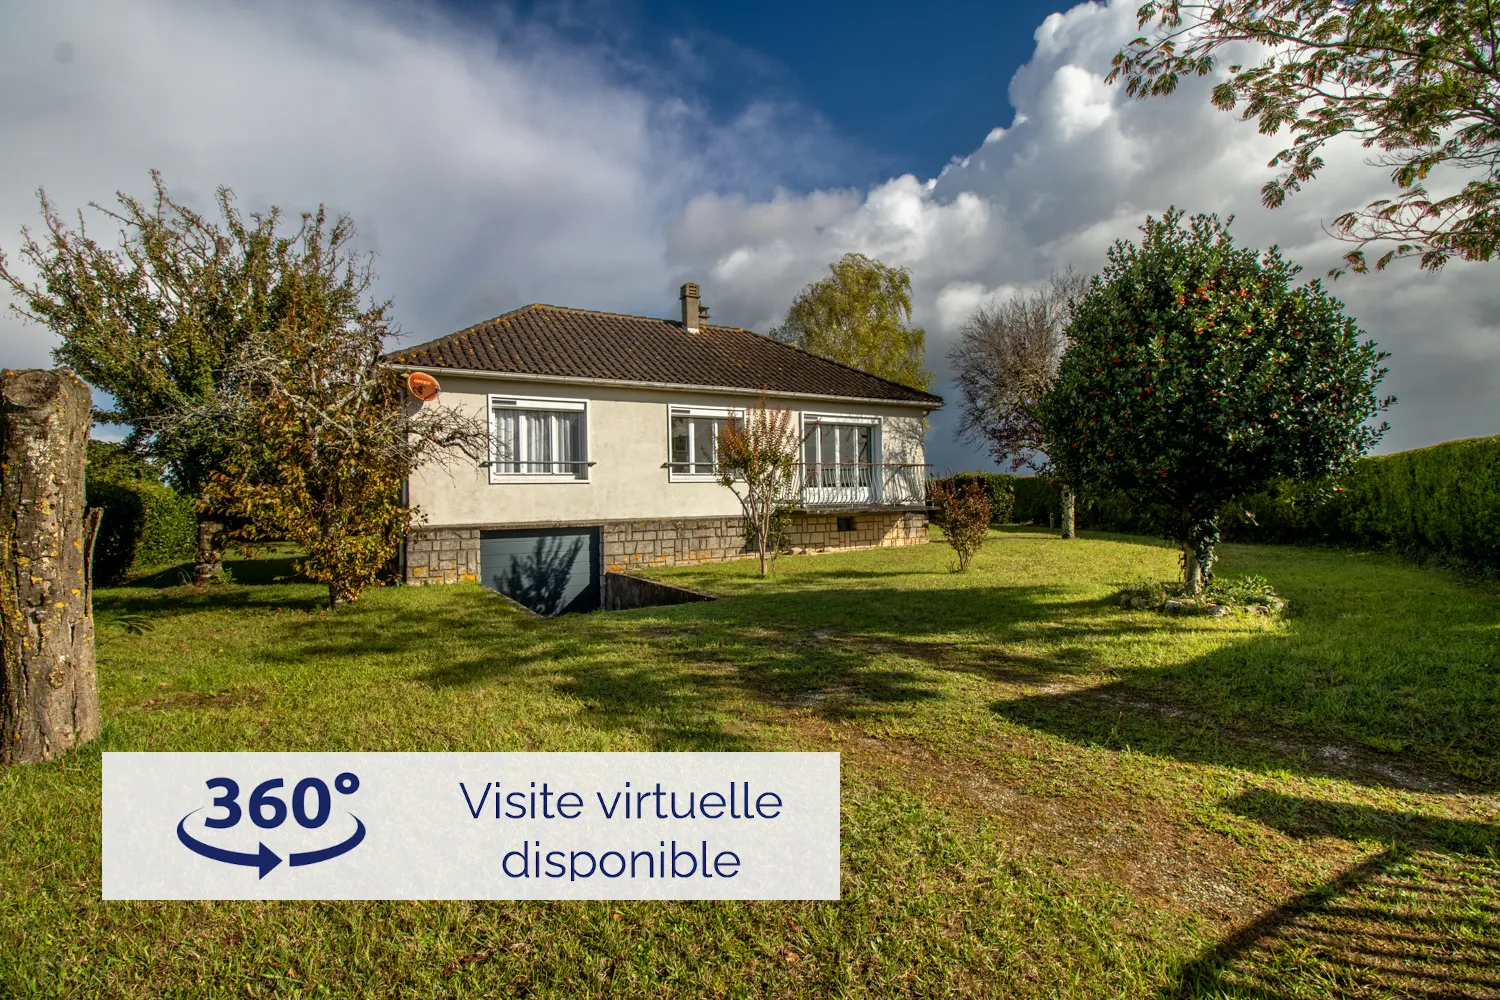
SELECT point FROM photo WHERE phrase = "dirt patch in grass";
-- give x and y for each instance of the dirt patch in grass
(198, 699)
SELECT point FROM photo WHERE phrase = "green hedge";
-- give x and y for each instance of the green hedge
(1001, 492)
(144, 524)
(1034, 500)
(1442, 500)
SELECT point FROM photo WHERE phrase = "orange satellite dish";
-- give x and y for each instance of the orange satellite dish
(423, 386)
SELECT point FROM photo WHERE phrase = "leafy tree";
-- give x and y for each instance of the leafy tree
(758, 459)
(963, 507)
(1004, 361)
(154, 320)
(325, 433)
(1196, 373)
(860, 316)
(111, 461)
(1419, 80)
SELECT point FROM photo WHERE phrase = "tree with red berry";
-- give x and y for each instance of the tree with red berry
(1197, 371)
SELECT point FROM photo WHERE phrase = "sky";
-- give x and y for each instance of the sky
(598, 154)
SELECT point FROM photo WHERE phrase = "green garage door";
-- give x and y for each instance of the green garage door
(550, 570)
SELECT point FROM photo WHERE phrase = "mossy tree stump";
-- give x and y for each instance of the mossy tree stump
(49, 694)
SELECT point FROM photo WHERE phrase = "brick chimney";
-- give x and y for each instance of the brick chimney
(690, 306)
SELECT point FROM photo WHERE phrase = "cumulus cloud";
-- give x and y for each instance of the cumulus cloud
(1078, 167)
(495, 163)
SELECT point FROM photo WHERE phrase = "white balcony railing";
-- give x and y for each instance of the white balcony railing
(858, 484)
(849, 484)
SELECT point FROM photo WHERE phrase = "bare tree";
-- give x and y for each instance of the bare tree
(1005, 359)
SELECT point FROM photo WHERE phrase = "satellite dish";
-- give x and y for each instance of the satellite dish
(423, 386)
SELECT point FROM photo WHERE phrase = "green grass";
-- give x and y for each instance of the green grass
(1044, 794)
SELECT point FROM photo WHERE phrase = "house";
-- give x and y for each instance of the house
(603, 431)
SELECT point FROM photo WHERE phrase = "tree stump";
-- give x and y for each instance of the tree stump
(49, 693)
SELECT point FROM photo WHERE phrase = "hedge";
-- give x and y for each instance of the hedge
(1002, 495)
(1027, 499)
(1442, 500)
(144, 524)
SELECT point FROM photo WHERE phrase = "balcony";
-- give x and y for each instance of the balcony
(856, 486)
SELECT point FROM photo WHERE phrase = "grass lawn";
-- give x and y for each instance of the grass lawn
(1044, 795)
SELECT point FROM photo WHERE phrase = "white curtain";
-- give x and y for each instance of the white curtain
(538, 437)
(507, 442)
(568, 429)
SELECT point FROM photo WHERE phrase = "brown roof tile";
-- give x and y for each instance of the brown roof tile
(541, 340)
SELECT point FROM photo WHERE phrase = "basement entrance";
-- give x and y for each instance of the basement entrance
(552, 571)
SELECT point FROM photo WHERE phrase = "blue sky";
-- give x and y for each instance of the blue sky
(598, 153)
(904, 88)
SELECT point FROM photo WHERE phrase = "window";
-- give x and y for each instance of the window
(846, 524)
(695, 440)
(538, 438)
(838, 452)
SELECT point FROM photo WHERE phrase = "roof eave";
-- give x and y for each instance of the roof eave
(933, 404)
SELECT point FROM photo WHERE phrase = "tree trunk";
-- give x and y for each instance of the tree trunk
(1192, 573)
(49, 693)
(1069, 520)
(763, 530)
(210, 561)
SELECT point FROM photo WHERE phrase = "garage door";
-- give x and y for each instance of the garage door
(552, 571)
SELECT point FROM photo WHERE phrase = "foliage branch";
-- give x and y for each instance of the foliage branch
(1417, 80)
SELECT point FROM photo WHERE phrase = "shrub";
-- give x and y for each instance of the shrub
(998, 487)
(144, 524)
(1242, 590)
(1443, 500)
(964, 510)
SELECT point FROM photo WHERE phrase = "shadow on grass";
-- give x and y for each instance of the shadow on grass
(1420, 918)
(867, 651)
(1254, 704)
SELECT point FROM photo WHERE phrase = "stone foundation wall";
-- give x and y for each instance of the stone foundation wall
(442, 555)
(451, 555)
(675, 542)
(819, 532)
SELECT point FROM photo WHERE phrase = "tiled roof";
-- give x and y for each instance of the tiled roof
(542, 341)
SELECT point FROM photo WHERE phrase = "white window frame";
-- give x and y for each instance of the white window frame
(507, 401)
(876, 425)
(717, 412)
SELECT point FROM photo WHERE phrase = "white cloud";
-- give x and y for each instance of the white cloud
(1080, 166)
(492, 164)
(488, 164)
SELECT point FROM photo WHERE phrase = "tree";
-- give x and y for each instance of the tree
(49, 689)
(325, 433)
(860, 316)
(964, 509)
(1196, 373)
(154, 321)
(1004, 361)
(758, 459)
(112, 461)
(1417, 80)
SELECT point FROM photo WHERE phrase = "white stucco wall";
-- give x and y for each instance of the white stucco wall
(628, 438)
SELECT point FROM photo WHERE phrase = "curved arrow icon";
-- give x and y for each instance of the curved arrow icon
(313, 857)
(266, 859)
